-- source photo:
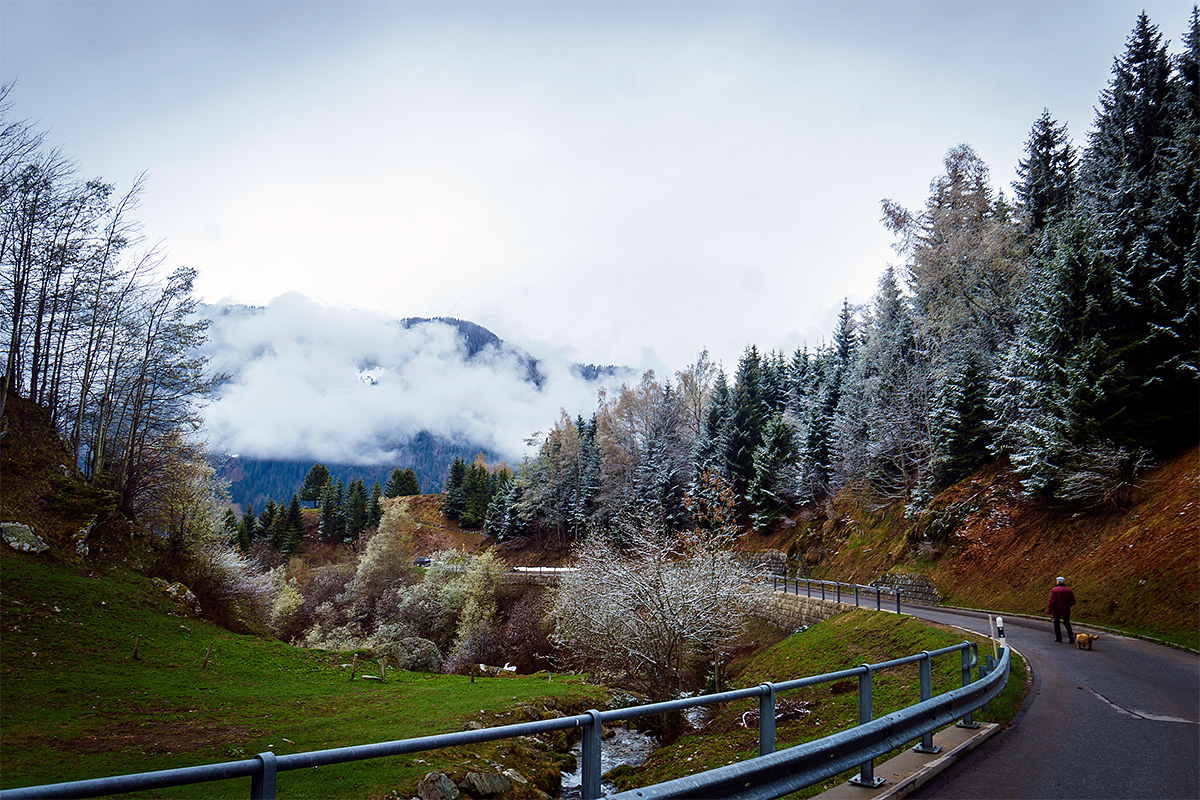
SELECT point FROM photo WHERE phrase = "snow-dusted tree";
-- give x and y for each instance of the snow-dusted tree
(647, 614)
(694, 386)
(775, 486)
(1046, 184)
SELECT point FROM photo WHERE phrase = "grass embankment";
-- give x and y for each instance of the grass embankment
(76, 704)
(848, 640)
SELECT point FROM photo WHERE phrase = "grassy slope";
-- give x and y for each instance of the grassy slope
(984, 546)
(848, 640)
(76, 704)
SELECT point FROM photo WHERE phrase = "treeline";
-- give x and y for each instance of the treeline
(91, 329)
(1058, 331)
(469, 490)
(345, 511)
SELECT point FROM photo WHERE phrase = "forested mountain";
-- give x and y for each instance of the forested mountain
(1057, 332)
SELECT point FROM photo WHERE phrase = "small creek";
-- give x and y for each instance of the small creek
(625, 746)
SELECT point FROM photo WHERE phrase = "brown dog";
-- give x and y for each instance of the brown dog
(1083, 641)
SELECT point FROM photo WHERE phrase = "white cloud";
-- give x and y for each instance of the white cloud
(297, 387)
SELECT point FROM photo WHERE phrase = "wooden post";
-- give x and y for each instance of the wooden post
(137, 644)
(383, 670)
(207, 655)
(353, 666)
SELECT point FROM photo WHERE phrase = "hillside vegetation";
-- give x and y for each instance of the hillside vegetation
(985, 546)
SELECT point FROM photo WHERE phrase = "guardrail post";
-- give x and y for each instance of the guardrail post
(766, 719)
(878, 595)
(967, 663)
(262, 784)
(866, 771)
(822, 590)
(839, 591)
(589, 784)
(927, 745)
(898, 601)
(856, 595)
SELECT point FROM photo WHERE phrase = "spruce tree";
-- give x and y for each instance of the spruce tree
(455, 501)
(1046, 186)
(294, 527)
(249, 525)
(374, 507)
(356, 510)
(314, 484)
(775, 482)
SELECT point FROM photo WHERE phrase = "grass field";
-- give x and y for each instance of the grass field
(76, 703)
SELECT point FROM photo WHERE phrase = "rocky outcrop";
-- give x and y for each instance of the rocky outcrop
(21, 537)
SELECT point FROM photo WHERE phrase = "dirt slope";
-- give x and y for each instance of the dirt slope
(983, 545)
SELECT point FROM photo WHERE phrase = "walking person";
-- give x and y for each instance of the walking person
(1061, 600)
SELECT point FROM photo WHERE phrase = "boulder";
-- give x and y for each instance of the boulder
(179, 592)
(80, 538)
(484, 784)
(413, 654)
(21, 537)
(436, 786)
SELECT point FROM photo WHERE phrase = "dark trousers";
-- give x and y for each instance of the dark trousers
(1066, 618)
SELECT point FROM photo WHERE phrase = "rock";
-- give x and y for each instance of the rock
(21, 537)
(473, 725)
(436, 786)
(515, 776)
(179, 592)
(80, 538)
(413, 654)
(485, 784)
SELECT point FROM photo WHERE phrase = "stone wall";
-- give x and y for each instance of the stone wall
(792, 611)
(915, 588)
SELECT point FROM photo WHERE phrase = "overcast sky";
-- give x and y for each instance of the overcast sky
(625, 181)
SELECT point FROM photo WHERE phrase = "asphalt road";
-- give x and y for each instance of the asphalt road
(1119, 721)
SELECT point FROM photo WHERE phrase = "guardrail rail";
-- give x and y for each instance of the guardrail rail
(770, 774)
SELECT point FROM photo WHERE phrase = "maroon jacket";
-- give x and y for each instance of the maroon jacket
(1061, 600)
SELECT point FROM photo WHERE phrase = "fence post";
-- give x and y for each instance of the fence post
(590, 778)
(766, 719)
(866, 771)
(262, 784)
(807, 588)
(966, 722)
(927, 745)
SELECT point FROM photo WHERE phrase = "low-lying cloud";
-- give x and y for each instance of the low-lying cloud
(308, 381)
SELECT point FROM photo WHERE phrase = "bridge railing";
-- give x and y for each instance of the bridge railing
(836, 590)
(795, 767)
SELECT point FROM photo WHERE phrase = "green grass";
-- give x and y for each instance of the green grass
(75, 703)
(848, 640)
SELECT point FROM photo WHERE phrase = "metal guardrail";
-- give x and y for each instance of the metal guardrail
(794, 768)
(834, 589)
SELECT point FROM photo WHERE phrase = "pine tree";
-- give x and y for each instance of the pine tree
(748, 412)
(356, 510)
(233, 531)
(314, 484)
(374, 507)
(249, 527)
(455, 501)
(961, 437)
(709, 451)
(402, 483)
(1144, 215)
(1046, 186)
(775, 483)
(294, 527)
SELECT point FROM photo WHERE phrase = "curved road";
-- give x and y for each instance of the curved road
(1119, 721)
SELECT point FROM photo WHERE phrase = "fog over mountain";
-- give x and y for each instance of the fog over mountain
(313, 382)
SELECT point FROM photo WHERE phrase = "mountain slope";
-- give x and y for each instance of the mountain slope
(983, 545)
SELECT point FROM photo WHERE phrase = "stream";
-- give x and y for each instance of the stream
(625, 746)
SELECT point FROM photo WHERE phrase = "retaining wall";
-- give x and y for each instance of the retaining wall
(791, 611)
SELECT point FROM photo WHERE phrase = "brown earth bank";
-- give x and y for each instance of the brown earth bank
(984, 545)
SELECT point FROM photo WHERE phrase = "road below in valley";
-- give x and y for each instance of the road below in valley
(1119, 721)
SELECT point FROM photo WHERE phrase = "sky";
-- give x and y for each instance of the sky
(604, 182)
